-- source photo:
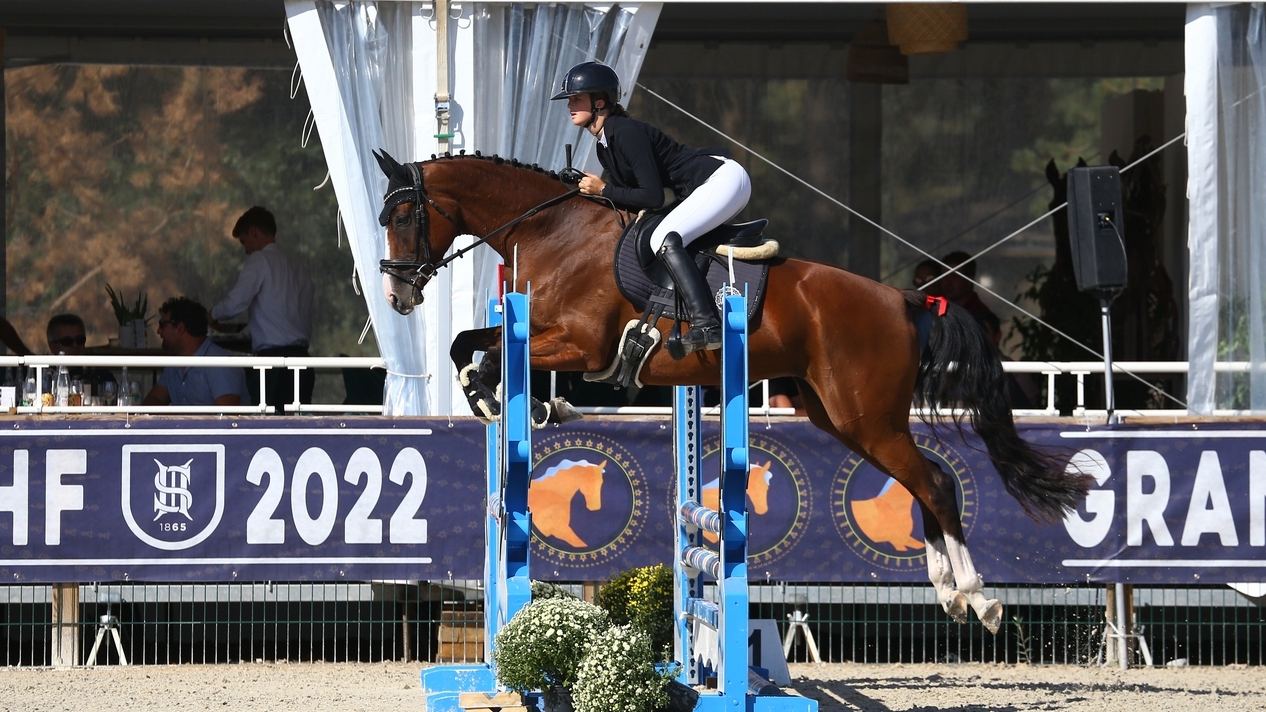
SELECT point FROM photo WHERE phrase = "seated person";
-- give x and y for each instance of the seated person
(925, 272)
(66, 335)
(182, 325)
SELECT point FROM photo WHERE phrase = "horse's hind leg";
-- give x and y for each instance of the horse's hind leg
(889, 447)
(941, 568)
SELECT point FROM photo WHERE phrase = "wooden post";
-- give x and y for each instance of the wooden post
(65, 639)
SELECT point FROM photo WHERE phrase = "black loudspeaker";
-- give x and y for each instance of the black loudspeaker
(1096, 230)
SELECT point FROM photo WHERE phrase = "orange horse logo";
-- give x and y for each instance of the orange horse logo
(888, 518)
(551, 494)
(758, 478)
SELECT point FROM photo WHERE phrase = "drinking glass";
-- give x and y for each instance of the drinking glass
(107, 393)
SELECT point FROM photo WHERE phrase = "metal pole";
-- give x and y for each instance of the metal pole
(1123, 643)
(442, 97)
(1109, 399)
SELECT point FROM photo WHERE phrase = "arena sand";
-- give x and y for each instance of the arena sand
(393, 687)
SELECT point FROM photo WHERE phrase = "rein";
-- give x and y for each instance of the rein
(413, 272)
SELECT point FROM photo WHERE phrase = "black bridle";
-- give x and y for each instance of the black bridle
(417, 273)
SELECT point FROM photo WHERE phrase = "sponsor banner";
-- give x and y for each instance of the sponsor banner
(216, 500)
(403, 498)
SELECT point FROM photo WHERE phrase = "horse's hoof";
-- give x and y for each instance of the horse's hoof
(956, 607)
(541, 414)
(487, 411)
(564, 412)
(991, 617)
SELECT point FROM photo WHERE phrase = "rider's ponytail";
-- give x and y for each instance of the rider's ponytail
(616, 109)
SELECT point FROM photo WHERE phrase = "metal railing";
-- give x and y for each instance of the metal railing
(178, 623)
(1077, 370)
(261, 364)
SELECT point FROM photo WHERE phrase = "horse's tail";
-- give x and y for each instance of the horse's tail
(961, 369)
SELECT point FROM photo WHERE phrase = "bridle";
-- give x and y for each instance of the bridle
(417, 273)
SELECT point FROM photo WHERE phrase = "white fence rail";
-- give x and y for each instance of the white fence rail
(1078, 370)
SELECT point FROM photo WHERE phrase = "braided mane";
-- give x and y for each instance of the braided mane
(513, 162)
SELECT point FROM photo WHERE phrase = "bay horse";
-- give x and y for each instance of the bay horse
(852, 344)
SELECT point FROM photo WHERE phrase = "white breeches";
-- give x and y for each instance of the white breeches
(722, 196)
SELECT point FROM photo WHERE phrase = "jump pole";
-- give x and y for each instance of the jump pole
(737, 686)
(507, 524)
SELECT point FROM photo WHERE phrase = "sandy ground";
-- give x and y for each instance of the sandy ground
(873, 688)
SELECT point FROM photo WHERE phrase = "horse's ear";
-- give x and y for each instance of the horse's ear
(1081, 162)
(386, 163)
(1052, 173)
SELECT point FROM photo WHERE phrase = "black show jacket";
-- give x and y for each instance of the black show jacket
(641, 161)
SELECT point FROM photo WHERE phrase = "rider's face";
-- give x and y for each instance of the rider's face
(579, 107)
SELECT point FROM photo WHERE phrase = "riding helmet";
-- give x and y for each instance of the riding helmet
(590, 78)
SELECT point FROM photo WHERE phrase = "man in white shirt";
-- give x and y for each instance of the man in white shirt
(278, 292)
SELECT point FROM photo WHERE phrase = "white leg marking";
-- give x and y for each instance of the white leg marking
(941, 573)
(969, 583)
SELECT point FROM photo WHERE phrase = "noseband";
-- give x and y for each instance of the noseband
(413, 272)
(417, 273)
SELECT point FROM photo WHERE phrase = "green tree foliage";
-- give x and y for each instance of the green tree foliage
(135, 176)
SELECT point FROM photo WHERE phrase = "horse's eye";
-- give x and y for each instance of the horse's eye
(402, 220)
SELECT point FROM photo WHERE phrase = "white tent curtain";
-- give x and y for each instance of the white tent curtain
(368, 68)
(357, 71)
(1226, 94)
(526, 49)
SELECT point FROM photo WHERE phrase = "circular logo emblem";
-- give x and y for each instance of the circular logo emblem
(778, 497)
(880, 520)
(587, 498)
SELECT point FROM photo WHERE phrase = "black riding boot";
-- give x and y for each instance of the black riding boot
(705, 326)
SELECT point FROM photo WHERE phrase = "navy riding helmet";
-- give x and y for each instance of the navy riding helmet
(590, 78)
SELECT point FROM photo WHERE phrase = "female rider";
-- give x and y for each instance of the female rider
(641, 161)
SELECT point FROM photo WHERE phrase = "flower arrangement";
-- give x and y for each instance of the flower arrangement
(123, 312)
(543, 645)
(618, 674)
(643, 598)
(542, 590)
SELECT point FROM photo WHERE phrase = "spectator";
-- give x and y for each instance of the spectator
(961, 291)
(66, 335)
(926, 271)
(278, 292)
(182, 325)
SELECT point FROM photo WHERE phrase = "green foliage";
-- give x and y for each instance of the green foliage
(545, 642)
(644, 598)
(618, 674)
(123, 312)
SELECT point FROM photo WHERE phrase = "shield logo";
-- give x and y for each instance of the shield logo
(173, 495)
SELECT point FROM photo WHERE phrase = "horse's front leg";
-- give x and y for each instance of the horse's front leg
(558, 349)
(479, 380)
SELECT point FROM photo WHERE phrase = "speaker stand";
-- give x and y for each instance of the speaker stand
(1105, 304)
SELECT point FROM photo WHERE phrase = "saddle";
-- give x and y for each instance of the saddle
(644, 281)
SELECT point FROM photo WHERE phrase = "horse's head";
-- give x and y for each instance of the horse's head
(591, 486)
(413, 248)
(758, 478)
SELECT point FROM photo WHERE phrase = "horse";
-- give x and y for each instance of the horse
(853, 345)
(550, 496)
(758, 478)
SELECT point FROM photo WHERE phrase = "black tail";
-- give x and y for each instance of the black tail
(960, 368)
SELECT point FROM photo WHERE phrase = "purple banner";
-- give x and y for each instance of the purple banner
(379, 498)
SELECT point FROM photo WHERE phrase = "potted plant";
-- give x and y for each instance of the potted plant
(618, 673)
(132, 319)
(542, 646)
(643, 598)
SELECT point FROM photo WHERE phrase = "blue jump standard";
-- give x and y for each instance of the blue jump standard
(738, 686)
(508, 524)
